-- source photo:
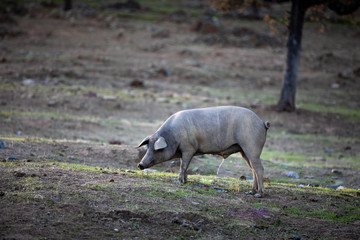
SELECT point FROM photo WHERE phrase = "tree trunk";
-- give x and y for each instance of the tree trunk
(287, 97)
(67, 5)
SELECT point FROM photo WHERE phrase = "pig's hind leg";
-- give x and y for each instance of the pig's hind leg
(254, 163)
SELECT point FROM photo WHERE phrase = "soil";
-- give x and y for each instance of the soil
(78, 93)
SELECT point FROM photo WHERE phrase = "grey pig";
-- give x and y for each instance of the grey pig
(215, 130)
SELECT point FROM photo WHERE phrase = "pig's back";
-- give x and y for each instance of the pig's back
(215, 129)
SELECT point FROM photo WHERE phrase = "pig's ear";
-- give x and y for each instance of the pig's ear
(160, 144)
(143, 142)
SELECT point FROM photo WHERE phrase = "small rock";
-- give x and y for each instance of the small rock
(19, 174)
(195, 203)
(18, 133)
(347, 148)
(243, 178)
(28, 81)
(328, 150)
(136, 83)
(163, 71)
(150, 170)
(257, 195)
(115, 142)
(116, 230)
(335, 86)
(12, 158)
(341, 188)
(91, 94)
(51, 103)
(313, 185)
(109, 98)
(292, 174)
(295, 237)
(335, 171)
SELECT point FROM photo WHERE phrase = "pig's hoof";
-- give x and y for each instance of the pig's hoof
(258, 195)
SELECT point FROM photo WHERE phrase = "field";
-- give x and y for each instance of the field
(79, 91)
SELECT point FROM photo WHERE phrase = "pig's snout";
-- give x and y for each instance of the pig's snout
(140, 166)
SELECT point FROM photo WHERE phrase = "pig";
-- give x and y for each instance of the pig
(220, 131)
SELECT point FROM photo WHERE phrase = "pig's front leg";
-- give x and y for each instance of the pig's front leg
(184, 164)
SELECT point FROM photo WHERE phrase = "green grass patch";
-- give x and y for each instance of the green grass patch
(348, 113)
(293, 211)
(344, 214)
(60, 115)
(71, 90)
(291, 159)
(295, 159)
(67, 166)
(41, 140)
(311, 137)
(51, 114)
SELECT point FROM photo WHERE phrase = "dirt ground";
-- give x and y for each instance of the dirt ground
(78, 93)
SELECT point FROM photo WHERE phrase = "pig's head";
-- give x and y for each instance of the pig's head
(158, 150)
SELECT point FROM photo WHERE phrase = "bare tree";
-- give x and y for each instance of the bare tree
(297, 16)
(298, 10)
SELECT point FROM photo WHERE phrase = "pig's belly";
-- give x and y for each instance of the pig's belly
(222, 152)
